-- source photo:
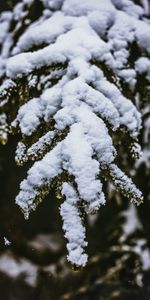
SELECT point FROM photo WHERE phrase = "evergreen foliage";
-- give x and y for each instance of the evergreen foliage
(72, 80)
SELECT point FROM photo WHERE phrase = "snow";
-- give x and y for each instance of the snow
(74, 234)
(129, 227)
(94, 129)
(142, 65)
(105, 101)
(29, 121)
(129, 116)
(74, 39)
(143, 253)
(4, 19)
(3, 128)
(146, 6)
(6, 242)
(36, 150)
(47, 32)
(76, 91)
(129, 7)
(52, 4)
(131, 222)
(74, 155)
(31, 113)
(142, 35)
(78, 162)
(125, 184)
(81, 42)
(78, 8)
(14, 269)
(39, 175)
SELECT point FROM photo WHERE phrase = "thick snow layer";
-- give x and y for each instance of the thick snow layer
(77, 160)
(47, 32)
(104, 101)
(74, 155)
(76, 91)
(52, 4)
(72, 225)
(31, 113)
(81, 41)
(39, 175)
(80, 8)
(142, 65)
(4, 20)
(129, 7)
(85, 49)
(124, 29)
